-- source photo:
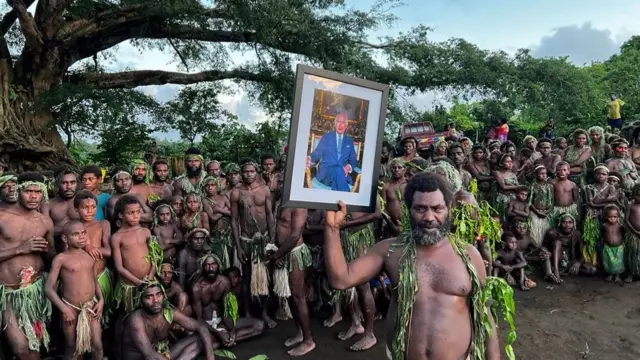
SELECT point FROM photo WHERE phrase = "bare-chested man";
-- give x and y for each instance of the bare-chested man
(211, 292)
(140, 179)
(122, 185)
(159, 184)
(218, 211)
(8, 193)
(60, 208)
(188, 257)
(91, 177)
(146, 331)
(174, 292)
(632, 235)
(26, 239)
(392, 195)
(269, 175)
(441, 290)
(81, 304)
(252, 227)
(98, 246)
(566, 245)
(166, 229)
(130, 248)
(294, 256)
(191, 180)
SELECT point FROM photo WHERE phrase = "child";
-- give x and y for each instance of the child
(218, 211)
(566, 195)
(510, 260)
(177, 204)
(613, 251)
(541, 204)
(91, 177)
(98, 246)
(632, 236)
(81, 302)
(130, 247)
(194, 217)
(615, 179)
(166, 230)
(598, 196)
(519, 207)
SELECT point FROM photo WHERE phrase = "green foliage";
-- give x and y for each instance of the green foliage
(500, 294)
(225, 354)
(196, 111)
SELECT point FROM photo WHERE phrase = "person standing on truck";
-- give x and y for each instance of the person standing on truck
(503, 131)
(410, 146)
(614, 109)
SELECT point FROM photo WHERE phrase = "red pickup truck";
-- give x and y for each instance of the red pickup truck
(424, 134)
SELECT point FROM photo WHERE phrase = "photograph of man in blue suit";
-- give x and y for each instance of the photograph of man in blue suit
(336, 156)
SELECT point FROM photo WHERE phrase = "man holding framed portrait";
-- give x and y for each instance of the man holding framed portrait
(336, 155)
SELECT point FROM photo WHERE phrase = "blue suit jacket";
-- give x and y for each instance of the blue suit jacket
(327, 153)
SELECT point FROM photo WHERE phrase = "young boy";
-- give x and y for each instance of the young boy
(541, 201)
(130, 246)
(98, 246)
(91, 177)
(177, 204)
(167, 231)
(566, 195)
(509, 260)
(519, 207)
(613, 251)
(81, 302)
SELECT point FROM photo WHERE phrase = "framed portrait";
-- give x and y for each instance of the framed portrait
(337, 126)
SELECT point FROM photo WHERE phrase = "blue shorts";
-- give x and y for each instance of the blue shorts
(615, 123)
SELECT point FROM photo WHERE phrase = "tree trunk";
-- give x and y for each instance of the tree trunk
(27, 140)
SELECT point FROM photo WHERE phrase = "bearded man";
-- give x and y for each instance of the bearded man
(60, 208)
(211, 292)
(140, 178)
(26, 241)
(436, 315)
(159, 184)
(191, 180)
(8, 194)
(146, 330)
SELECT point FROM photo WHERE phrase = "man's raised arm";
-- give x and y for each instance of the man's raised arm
(342, 275)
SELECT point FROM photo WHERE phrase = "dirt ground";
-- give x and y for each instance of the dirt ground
(584, 318)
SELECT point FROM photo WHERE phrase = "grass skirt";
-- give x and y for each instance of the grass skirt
(351, 243)
(539, 227)
(302, 256)
(613, 259)
(124, 296)
(559, 210)
(255, 249)
(105, 281)
(591, 237)
(220, 248)
(83, 326)
(632, 253)
(32, 310)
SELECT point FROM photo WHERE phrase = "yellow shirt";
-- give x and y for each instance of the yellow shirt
(614, 109)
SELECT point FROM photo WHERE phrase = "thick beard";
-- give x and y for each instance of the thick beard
(137, 180)
(424, 236)
(194, 173)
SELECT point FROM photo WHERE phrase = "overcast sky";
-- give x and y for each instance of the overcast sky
(583, 30)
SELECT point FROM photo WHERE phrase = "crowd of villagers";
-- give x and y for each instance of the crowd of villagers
(176, 266)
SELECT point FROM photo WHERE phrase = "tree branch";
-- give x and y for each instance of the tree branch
(49, 16)
(132, 79)
(182, 59)
(28, 25)
(9, 18)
